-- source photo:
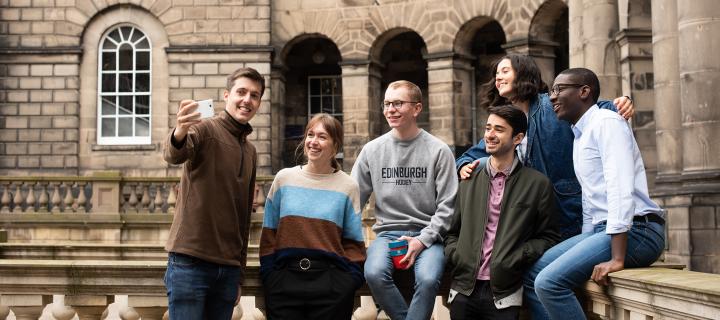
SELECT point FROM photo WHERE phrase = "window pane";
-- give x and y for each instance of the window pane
(142, 104)
(314, 86)
(108, 83)
(108, 61)
(108, 105)
(337, 86)
(125, 32)
(338, 104)
(125, 82)
(142, 82)
(142, 61)
(108, 127)
(136, 36)
(143, 44)
(115, 35)
(107, 44)
(327, 104)
(125, 127)
(126, 57)
(315, 105)
(142, 127)
(326, 87)
(126, 105)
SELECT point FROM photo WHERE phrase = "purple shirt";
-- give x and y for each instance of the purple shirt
(497, 189)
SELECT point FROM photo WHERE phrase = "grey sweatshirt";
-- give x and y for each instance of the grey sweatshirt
(414, 183)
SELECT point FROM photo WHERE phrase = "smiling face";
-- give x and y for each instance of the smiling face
(499, 139)
(505, 79)
(319, 146)
(404, 117)
(243, 100)
(567, 98)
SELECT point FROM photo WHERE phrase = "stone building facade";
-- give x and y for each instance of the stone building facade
(91, 85)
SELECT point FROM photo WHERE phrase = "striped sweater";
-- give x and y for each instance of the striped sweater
(314, 216)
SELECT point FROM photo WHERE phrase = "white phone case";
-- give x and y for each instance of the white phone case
(205, 107)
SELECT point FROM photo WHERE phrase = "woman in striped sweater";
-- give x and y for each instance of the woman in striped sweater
(311, 247)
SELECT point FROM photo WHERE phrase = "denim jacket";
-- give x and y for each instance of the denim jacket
(549, 150)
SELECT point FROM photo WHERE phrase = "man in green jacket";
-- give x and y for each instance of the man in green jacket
(505, 218)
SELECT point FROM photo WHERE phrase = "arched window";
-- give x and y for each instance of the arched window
(124, 87)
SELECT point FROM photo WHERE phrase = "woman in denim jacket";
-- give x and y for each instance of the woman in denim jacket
(547, 147)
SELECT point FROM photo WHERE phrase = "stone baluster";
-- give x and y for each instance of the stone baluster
(81, 201)
(30, 200)
(145, 201)
(4, 312)
(68, 201)
(43, 200)
(89, 307)
(172, 198)
(133, 201)
(26, 306)
(148, 307)
(55, 200)
(5, 200)
(62, 312)
(18, 198)
(158, 203)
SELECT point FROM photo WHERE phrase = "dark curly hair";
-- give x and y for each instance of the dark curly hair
(528, 82)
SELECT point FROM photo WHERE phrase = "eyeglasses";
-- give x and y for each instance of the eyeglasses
(556, 89)
(396, 104)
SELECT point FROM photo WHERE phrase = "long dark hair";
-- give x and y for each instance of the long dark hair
(528, 81)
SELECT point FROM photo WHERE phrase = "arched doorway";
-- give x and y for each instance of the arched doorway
(481, 40)
(312, 85)
(401, 57)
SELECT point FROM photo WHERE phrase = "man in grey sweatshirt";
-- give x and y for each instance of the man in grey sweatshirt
(412, 174)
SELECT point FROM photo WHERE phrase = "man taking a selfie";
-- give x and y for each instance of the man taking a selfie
(208, 239)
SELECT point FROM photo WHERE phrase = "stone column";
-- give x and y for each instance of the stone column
(668, 124)
(592, 44)
(543, 52)
(698, 42)
(362, 112)
(277, 116)
(636, 66)
(449, 95)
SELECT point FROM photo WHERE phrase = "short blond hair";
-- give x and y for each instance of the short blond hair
(413, 89)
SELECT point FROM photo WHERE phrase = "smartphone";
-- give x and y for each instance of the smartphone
(205, 107)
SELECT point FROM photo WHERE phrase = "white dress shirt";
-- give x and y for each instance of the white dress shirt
(610, 170)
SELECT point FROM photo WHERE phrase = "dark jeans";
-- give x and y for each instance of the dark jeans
(325, 292)
(480, 305)
(198, 289)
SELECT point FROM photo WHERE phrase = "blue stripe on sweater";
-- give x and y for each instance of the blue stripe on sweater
(316, 204)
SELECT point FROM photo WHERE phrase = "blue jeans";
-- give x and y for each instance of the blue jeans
(568, 265)
(198, 289)
(428, 269)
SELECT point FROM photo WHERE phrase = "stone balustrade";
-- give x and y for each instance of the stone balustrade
(89, 286)
(101, 192)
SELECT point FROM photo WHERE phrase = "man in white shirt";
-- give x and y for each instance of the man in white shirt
(622, 227)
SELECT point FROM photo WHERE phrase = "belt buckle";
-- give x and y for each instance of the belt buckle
(304, 264)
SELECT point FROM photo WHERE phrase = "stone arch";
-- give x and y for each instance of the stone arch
(400, 54)
(145, 158)
(311, 82)
(549, 34)
(326, 24)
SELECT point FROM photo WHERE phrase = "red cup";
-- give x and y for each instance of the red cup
(398, 249)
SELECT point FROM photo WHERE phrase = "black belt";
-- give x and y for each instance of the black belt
(650, 217)
(307, 264)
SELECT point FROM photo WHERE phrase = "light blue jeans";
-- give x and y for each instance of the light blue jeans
(428, 269)
(568, 265)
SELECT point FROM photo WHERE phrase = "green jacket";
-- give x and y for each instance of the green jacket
(527, 227)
